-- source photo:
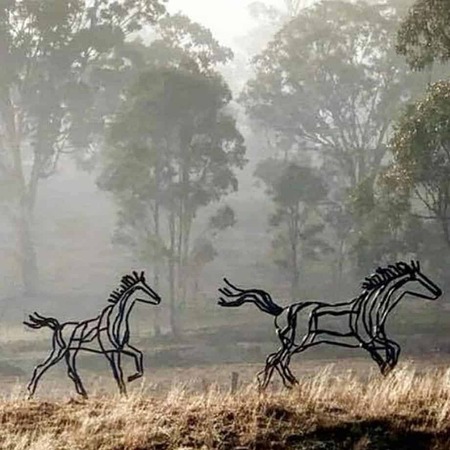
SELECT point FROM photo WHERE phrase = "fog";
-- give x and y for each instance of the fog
(265, 142)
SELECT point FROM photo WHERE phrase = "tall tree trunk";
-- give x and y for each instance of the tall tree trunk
(185, 255)
(337, 269)
(157, 315)
(27, 252)
(294, 236)
(184, 212)
(172, 287)
(445, 229)
(25, 197)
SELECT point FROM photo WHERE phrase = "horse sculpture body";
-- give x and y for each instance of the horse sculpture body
(107, 334)
(359, 323)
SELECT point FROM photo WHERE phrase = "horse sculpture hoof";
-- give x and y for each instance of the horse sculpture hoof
(362, 318)
(107, 334)
(134, 377)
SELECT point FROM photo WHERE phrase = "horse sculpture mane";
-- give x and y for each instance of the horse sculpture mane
(126, 283)
(362, 319)
(384, 275)
(107, 334)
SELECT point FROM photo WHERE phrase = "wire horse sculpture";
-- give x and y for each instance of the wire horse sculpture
(106, 334)
(361, 321)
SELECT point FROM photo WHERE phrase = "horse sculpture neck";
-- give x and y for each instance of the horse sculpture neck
(383, 298)
(119, 313)
(358, 323)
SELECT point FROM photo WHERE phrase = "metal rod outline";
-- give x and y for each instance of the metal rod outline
(365, 317)
(106, 334)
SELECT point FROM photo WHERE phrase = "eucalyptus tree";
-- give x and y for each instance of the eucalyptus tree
(172, 148)
(421, 149)
(49, 51)
(326, 91)
(298, 194)
(331, 79)
(420, 169)
(423, 37)
(203, 250)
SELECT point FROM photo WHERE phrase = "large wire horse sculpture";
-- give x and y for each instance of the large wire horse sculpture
(106, 334)
(361, 321)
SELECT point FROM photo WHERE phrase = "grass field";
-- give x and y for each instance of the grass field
(185, 401)
(332, 408)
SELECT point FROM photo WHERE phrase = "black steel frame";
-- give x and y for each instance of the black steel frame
(363, 318)
(107, 334)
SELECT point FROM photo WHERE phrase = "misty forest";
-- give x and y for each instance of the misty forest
(294, 153)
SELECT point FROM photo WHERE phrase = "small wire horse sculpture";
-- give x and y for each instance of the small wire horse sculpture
(360, 321)
(106, 334)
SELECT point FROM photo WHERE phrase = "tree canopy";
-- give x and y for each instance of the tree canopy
(424, 36)
(173, 149)
(330, 83)
(49, 51)
(421, 149)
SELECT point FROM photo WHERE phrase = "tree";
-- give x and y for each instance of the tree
(387, 231)
(203, 249)
(331, 79)
(297, 193)
(326, 91)
(421, 143)
(172, 150)
(48, 50)
(421, 149)
(424, 36)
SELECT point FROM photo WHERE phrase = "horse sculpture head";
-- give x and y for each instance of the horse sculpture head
(425, 288)
(139, 285)
(418, 284)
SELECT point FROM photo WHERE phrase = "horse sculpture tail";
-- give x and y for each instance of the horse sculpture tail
(235, 296)
(37, 321)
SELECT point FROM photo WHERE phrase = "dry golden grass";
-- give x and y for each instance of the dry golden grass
(407, 410)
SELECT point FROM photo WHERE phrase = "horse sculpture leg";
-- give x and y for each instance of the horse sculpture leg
(73, 373)
(115, 363)
(55, 356)
(288, 375)
(138, 359)
(395, 353)
(373, 350)
(273, 362)
(265, 375)
(392, 350)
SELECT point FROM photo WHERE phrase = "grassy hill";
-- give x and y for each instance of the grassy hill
(407, 410)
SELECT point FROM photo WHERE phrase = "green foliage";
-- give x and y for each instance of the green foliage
(223, 218)
(183, 43)
(297, 193)
(49, 50)
(173, 149)
(269, 171)
(421, 149)
(330, 83)
(424, 36)
(51, 100)
(203, 252)
(326, 91)
(421, 144)
(298, 185)
(173, 127)
(386, 230)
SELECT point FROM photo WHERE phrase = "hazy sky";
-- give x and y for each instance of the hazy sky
(227, 19)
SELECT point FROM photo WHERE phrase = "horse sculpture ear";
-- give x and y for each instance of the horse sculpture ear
(142, 276)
